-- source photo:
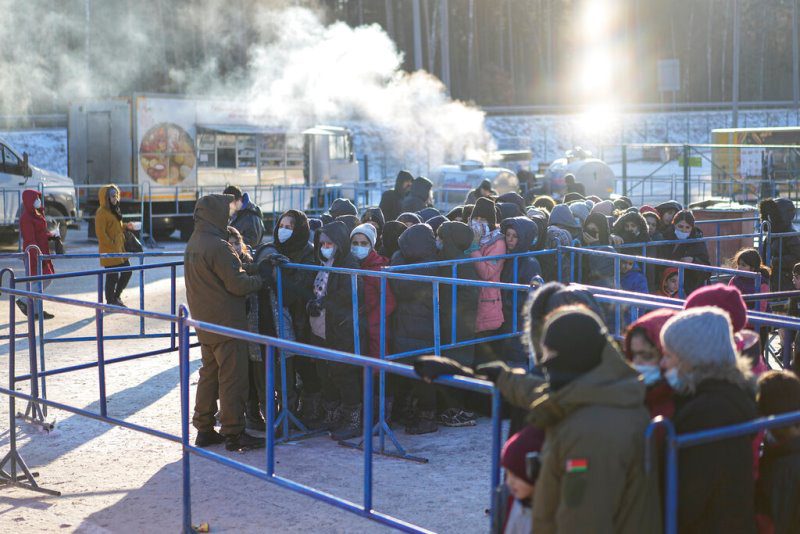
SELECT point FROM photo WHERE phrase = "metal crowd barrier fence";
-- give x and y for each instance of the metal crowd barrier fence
(382, 429)
(40, 280)
(26, 479)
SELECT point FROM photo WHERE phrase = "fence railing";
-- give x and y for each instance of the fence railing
(26, 478)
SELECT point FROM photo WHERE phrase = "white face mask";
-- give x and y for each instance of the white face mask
(650, 373)
(681, 235)
(284, 234)
(360, 252)
(327, 253)
(37, 203)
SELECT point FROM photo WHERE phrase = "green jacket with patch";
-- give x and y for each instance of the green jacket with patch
(592, 477)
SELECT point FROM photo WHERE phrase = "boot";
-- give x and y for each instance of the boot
(350, 426)
(47, 315)
(243, 442)
(332, 415)
(424, 423)
(208, 438)
(23, 307)
(255, 422)
(311, 412)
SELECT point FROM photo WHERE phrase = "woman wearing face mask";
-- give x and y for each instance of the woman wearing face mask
(111, 238)
(291, 238)
(683, 228)
(362, 246)
(331, 319)
(643, 350)
(488, 241)
(713, 388)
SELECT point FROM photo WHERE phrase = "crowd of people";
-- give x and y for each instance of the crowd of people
(579, 401)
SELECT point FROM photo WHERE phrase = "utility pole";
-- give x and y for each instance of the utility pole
(87, 8)
(735, 88)
(417, 36)
(445, 43)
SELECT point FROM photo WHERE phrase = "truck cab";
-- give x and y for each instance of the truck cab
(17, 175)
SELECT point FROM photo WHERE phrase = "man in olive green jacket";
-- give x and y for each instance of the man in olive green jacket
(216, 287)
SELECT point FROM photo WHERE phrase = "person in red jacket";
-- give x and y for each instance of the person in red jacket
(643, 349)
(33, 227)
(362, 245)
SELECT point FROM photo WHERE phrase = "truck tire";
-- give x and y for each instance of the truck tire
(55, 211)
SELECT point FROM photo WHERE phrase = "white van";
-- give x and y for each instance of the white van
(17, 175)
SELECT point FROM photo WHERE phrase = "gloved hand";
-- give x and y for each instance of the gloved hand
(315, 307)
(277, 259)
(266, 272)
(431, 367)
(492, 370)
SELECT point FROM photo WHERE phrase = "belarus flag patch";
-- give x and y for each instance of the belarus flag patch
(578, 465)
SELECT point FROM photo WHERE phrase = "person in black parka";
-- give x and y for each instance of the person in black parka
(392, 198)
(413, 321)
(419, 197)
(683, 228)
(331, 320)
(483, 190)
(375, 217)
(524, 234)
(784, 251)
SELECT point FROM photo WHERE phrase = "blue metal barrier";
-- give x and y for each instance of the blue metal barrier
(26, 479)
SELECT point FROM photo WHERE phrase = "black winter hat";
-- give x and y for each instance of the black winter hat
(435, 222)
(350, 220)
(456, 213)
(342, 206)
(573, 196)
(409, 217)
(402, 176)
(576, 337)
(485, 207)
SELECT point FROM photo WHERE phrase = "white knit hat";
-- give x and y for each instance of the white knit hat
(366, 230)
(700, 336)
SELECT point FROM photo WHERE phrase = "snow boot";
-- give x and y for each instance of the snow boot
(311, 412)
(208, 438)
(350, 425)
(23, 307)
(424, 423)
(243, 442)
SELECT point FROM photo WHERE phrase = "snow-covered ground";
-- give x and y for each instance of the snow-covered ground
(115, 480)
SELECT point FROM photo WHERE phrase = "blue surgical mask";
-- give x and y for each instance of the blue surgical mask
(284, 234)
(682, 235)
(327, 253)
(650, 373)
(673, 379)
(360, 252)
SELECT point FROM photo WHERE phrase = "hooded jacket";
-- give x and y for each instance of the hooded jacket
(456, 239)
(109, 230)
(785, 251)
(372, 304)
(596, 421)
(392, 198)
(662, 286)
(426, 214)
(338, 301)
(297, 283)
(490, 304)
(391, 233)
(474, 194)
(413, 317)
(715, 480)
(249, 221)
(562, 217)
(33, 228)
(342, 206)
(527, 267)
(513, 198)
(419, 196)
(630, 237)
(375, 215)
(216, 283)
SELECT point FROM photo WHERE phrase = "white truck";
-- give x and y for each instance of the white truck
(164, 151)
(17, 175)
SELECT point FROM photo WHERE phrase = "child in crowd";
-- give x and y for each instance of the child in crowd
(520, 460)
(669, 283)
(748, 259)
(778, 486)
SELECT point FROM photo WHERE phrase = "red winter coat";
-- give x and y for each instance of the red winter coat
(372, 303)
(33, 227)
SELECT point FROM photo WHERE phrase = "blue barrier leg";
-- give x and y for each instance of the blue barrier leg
(270, 370)
(382, 376)
(184, 389)
(172, 304)
(671, 488)
(367, 439)
(141, 294)
(437, 339)
(42, 364)
(497, 432)
(101, 365)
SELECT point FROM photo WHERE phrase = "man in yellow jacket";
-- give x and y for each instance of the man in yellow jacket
(110, 232)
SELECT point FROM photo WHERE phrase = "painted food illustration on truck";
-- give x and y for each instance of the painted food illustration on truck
(167, 153)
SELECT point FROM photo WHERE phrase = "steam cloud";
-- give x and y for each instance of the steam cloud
(299, 71)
